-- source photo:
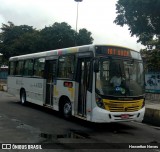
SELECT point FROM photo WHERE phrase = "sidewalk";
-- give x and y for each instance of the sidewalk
(152, 113)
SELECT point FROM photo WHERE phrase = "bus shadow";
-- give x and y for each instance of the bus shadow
(116, 128)
(38, 108)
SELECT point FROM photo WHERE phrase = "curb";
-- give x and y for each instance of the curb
(152, 116)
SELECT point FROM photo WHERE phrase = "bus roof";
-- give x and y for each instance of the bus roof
(53, 52)
(57, 52)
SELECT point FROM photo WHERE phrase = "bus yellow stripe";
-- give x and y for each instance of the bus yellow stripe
(123, 106)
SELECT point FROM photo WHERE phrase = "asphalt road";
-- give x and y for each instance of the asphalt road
(35, 124)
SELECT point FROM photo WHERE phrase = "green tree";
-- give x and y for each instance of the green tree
(11, 32)
(84, 37)
(24, 39)
(59, 35)
(11, 39)
(151, 59)
(143, 19)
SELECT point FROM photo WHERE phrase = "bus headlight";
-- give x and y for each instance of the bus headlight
(99, 102)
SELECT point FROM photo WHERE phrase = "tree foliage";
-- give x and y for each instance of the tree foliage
(16, 40)
(151, 59)
(84, 37)
(24, 39)
(59, 35)
(143, 19)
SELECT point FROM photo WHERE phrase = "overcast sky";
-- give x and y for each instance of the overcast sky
(96, 16)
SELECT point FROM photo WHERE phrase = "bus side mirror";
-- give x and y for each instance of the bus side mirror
(96, 65)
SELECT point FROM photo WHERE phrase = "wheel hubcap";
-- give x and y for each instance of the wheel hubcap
(23, 98)
(67, 108)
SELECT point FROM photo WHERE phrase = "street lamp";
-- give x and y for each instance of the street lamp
(77, 19)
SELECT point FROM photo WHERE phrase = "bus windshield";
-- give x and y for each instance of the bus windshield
(120, 78)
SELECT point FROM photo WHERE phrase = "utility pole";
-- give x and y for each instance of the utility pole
(77, 20)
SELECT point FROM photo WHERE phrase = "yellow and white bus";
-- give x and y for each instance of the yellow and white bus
(97, 83)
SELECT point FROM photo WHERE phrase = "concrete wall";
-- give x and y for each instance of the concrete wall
(153, 97)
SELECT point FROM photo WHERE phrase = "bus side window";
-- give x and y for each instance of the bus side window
(39, 67)
(19, 68)
(66, 66)
(28, 68)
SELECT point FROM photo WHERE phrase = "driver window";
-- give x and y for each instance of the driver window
(104, 70)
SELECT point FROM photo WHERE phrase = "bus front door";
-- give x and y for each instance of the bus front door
(83, 78)
(50, 75)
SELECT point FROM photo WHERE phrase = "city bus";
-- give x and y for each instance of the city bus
(81, 82)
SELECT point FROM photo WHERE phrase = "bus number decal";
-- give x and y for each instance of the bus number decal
(37, 85)
(68, 84)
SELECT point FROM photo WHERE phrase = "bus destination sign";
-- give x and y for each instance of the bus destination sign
(118, 51)
(115, 51)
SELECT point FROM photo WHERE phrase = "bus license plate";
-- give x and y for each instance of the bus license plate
(125, 116)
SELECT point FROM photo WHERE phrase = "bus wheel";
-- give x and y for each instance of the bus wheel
(67, 109)
(23, 97)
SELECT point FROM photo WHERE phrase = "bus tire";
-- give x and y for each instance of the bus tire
(67, 109)
(23, 97)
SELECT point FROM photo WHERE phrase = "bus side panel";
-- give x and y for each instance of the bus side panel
(34, 90)
(14, 85)
(33, 87)
(72, 93)
(61, 90)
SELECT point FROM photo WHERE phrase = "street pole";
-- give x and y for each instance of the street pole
(77, 21)
(77, 17)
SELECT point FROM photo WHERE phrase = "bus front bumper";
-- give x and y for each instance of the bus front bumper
(102, 116)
